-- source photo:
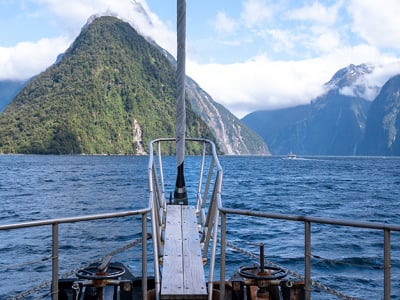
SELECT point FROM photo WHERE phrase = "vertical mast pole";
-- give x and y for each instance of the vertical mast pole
(180, 194)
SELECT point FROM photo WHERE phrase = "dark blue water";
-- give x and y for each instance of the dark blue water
(349, 260)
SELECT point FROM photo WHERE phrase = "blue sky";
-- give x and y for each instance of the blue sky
(247, 54)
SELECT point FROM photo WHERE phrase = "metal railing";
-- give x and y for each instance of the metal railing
(156, 209)
(207, 192)
(210, 211)
(55, 238)
(385, 228)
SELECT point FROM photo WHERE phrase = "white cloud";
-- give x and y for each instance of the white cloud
(369, 85)
(328, 41)
(376, 21)
(261, 83)
(27, 59)
(30, 58)
(256, 12)
(74, 13)
(225, 24)
(283, 40)
(316, 13)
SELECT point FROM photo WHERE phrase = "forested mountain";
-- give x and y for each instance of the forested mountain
(110, 92)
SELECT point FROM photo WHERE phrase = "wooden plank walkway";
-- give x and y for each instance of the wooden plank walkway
(183, 272)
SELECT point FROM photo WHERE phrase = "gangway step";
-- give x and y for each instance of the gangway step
(183, 271)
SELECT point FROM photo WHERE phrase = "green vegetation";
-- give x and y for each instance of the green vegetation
(89, 100)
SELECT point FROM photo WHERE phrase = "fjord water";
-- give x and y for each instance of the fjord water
(347, 259)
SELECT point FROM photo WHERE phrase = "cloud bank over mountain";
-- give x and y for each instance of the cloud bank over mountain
(249, 55)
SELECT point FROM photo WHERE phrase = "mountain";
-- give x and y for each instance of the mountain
(110, 92)
(335, 125)
(275, 127)
(351, 81)
(332, 124)
(8, 90)
(382, 132)
(233, 136)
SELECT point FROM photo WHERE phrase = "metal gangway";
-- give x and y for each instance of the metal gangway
(180, 230)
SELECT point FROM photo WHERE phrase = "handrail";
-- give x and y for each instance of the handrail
(208, 223)
(55, 237)
(386, 228)
(304, 218)
(45, 222)
(157, 207)
(210, 212)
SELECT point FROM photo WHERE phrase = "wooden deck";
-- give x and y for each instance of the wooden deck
(183, 272)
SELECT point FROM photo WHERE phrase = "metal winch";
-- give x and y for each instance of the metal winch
(265, 282)
(99, 282)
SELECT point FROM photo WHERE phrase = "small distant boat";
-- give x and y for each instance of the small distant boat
(291, 155)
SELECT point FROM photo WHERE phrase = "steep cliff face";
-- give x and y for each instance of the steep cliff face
(336, 124)
(234, 137)
(382, 133)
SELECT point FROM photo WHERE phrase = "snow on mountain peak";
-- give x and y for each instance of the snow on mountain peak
(363, 81)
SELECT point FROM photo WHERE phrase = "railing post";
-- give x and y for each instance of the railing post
(156, 249)
(223, 256)
(144, 256)
(214, 226)
(386, 264)
(307, 259)
(54, 282)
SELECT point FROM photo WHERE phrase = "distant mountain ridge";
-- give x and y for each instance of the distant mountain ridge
(8, 90)
(111, 92)
(340, 122)
(382, 132)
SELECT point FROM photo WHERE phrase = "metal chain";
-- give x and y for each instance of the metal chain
(296, 275)
(255, 256)
(138, 241)
(47, 283)
(31, 291)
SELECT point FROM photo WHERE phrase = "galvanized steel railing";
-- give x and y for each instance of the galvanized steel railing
(156, 208)
(386, 228)
(210, 210)
(55, 238)
(207, 191)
